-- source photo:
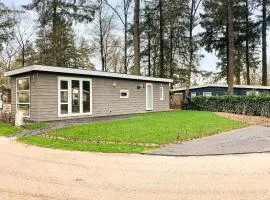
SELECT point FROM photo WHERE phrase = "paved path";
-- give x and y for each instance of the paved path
(29, 172)
(252, 139)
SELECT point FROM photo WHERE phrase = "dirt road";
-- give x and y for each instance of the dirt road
(28, 172)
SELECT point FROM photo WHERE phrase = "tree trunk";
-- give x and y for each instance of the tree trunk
(191, 50)
(264, 53)
(161, 40)
(126, 45)
(54, 32)
(247, 44)
(149, 53)
(136, 39)
(171, 53)
(230, 46)
(101, 39)
(23, 55)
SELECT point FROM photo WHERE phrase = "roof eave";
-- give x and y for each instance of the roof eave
(83, 72)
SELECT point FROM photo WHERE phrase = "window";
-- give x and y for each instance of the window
(75, 96)
(23, 95)
(149, 96)
(124, 94)
(64, 93)
(207, 94)
(253, 92)
(193, 94)
(161, 93)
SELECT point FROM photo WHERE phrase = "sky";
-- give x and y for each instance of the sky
(208, 62)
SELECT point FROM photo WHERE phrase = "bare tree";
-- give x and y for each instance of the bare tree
(102, 32)
(124, 21)
(9, 51)
(23, 33)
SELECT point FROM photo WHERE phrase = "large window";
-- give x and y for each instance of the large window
(23, 95)
(74, 96)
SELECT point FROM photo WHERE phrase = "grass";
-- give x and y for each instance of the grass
(135, 134)
(82, 146)
(34, 126)
(8, 129)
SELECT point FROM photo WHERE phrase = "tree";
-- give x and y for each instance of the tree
(23, 33)
(102, 31)
(171, 50)
(6, 24)
(215, 38)
(82, 56)
(161, 40)
(124, 21)
(26, 56)
(8, 52)
(136, 38)
(230, 4)
(62, 41)
(193, 22)
(53, 12)
(264, 3)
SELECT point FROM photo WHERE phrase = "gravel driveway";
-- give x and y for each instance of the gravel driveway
(253, 139)
(29, 172)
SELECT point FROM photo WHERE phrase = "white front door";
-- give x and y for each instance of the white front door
(149, 96)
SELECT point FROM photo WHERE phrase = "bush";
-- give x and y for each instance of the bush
(247, 105)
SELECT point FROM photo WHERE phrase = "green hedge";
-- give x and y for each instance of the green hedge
(248, 105)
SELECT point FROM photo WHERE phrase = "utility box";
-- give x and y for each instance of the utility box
(19, 118)
(1, 101)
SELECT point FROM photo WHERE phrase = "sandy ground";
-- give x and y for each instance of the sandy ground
(28, 172)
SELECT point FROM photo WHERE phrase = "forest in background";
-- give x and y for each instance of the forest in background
(159, 38)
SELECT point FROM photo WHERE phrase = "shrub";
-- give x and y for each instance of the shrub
(247, 105)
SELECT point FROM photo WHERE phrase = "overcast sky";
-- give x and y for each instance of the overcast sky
(206, 63)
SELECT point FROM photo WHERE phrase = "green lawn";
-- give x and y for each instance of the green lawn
(8, 129)
(82, 146)
(136, 134)
(33, 126)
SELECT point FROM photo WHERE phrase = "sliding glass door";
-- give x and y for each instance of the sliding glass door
(74, 96)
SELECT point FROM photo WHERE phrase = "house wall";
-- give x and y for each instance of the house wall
(105, 96)
(217, 91)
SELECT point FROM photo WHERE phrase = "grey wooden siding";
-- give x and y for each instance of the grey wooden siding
(105, 96)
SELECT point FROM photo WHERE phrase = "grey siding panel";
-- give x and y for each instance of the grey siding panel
(105, 96)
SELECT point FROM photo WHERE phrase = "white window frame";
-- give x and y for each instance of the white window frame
(147, 108)
(69, 80)
(251, 92)
(161, 93)
(193, 94)
(124, 91)
(207, 94)
(29, 91)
